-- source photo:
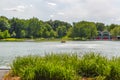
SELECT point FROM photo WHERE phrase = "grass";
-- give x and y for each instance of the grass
(66, 67)
(12, 40)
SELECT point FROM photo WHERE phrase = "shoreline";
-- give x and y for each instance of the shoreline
(48, 40)
(5, 68)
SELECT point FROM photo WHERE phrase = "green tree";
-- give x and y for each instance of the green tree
(112, 26)
(100, 26)
(61, 31)
(23, 33)
(115, 31)
(4, 23)
(6, 34)
(55, 24)
(1, 35)
(53, 34)
(17, 25)
(34, 27)
(83, 29)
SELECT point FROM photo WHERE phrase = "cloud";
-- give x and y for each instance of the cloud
(92, 10)
(19, 8)
(51, 16)
(60, 13)
(51, 4)
(31, 5)
(68, 10)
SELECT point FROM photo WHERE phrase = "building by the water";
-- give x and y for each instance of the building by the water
(118, 37)
(103, 35)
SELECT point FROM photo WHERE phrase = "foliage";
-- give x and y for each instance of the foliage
(66, 67)
(83, 29)
(4, 23)
(100, 26)
(42, 68)
(114, 69)
(116, 31)
(92, 65)
(35, 28)
(4, 34)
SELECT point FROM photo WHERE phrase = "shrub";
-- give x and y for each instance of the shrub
(92, 65)
(66, 67)
(114, 69)
(43, 68)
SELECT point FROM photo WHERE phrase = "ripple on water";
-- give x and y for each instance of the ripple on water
(9, 50)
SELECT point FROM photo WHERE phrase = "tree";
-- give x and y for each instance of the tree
(1, 35)
(83, 29)
(34, 27)
(53, 34)
(100, 26)
(61, 31)
(6, 34)
(17, 25)
(23, 33)
(70, 32)
(55, 24)
(4, 23)
(115, 31)
(112, 26)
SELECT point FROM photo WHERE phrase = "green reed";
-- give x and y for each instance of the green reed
(66, 67)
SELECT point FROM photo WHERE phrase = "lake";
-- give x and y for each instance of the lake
(10, 50)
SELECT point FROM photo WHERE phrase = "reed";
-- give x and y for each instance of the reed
(66, 67)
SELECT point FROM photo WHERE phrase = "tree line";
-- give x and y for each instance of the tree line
(35, 28)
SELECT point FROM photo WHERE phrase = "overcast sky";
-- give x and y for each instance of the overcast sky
(106, 11)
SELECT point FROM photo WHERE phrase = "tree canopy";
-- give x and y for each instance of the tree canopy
(35, 28)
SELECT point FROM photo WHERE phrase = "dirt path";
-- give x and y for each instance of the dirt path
(2, 73)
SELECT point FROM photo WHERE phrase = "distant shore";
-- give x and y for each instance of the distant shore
(46, 39)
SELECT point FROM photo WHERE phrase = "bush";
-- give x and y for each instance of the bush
(43, 68)
(114, 69)
(66, 67)
(92, 65)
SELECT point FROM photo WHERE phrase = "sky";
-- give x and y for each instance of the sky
(105, 11)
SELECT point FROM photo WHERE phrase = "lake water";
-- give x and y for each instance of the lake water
(9, 50)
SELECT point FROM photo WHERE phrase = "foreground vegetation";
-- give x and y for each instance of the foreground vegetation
(66, 67)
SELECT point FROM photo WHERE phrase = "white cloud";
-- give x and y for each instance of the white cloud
(75, 10)
(19, 8)
(51, 16)
(31, 5)
(95, 10)
(51, 4)
(60, 13)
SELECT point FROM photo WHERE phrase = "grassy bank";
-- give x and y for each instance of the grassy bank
(66, 67)
(39, 39)
(12, 40)
(28, 40)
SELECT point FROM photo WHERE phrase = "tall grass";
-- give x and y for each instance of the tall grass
(66, 67)
(91, 65)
